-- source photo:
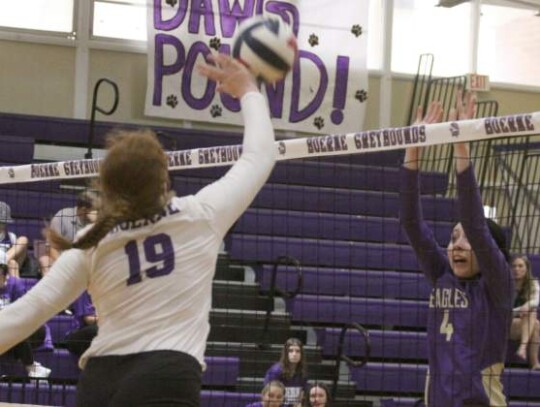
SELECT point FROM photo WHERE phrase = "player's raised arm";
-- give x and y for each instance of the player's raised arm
(232, 194)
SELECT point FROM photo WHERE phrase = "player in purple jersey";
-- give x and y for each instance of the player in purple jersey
(470, 306)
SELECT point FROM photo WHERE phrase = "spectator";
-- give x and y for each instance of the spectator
(67, 222)
(14, 248)
(11, 289)
(84, 327)
(525, 326)
(470, 305)
(319, 396)
(272, 395)
(291, 371)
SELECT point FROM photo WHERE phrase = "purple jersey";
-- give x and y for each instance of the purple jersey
(293, 386)
(12, 291)
(81, 308)
(468, 320)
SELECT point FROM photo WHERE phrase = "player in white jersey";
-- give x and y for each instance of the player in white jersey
(148, 262)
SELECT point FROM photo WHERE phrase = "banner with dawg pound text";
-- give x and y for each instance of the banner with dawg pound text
(326, 92)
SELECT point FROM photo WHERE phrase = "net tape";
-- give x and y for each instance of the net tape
(421, 135)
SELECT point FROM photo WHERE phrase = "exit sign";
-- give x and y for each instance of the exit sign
(477, 83)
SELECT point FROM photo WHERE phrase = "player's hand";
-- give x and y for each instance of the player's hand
(434, 113)
(231, 76)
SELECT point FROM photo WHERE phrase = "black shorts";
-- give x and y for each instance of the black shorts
(157, 378)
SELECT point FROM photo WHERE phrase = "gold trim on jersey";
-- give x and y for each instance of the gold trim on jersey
(491, 380)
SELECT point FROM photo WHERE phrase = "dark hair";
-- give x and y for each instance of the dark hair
(86, 199)
(4, 269)
(498, 234)
(133, 184)
(326, 390)
(290, 370)
(526, 288)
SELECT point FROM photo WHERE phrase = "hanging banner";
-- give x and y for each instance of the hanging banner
(325, 92)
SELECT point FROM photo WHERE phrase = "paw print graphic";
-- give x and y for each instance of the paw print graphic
(357, 30)
(318, 122)
(172, 101)
(215, 43)
(361, 95)
(216, 110)
(171, 3)
(313, 40)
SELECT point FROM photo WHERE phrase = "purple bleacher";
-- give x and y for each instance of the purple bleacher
(350, 282)
(336, 175)
(366, 311)
(34, 204)
(412, 402)
(221, 371)
(58, 395)
(41, 393)
(16, 150)
(215, 398)
(330, 226)
(60, 325)
(389, 344)
(323, 252)
(31, 228)
(384, 344)
(410, 378)
(333, 200)
(63, 365)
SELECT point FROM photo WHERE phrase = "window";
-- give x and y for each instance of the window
(120, 19)
(509, 49)
(375, 46)
(420, 27)
(43, 15)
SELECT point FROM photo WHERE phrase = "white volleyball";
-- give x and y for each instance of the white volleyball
(267, 46)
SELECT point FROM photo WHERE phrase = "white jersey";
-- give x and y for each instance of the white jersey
(151, 281)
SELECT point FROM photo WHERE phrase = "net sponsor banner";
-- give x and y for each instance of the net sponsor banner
(422, 135)
(325, 92)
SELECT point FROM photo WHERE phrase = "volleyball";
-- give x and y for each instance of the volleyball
(267, 46)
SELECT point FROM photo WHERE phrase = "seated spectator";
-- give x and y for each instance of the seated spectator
(67, 222)
(525, 326)
(14, 248)
(319, 396)
(11, 289)
(84, 327)
(272, 395)
(291, 371)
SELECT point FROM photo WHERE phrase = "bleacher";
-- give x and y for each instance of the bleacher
(339, 219)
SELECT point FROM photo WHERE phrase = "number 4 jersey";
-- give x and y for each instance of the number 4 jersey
(468, 319)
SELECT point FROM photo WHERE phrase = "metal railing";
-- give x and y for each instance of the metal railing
(96, 108)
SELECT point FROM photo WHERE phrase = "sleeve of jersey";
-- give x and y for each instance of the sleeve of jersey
(226, 199)
(428, 252)
(66, 280)
(495, 269)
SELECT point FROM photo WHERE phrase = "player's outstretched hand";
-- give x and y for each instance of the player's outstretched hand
(231, 76)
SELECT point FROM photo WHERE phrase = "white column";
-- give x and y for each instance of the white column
(476, 8)
(80, 96)
(385, 106)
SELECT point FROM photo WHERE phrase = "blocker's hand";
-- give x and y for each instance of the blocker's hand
(231, 76)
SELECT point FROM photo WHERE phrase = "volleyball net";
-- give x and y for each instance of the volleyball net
(319, 256)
